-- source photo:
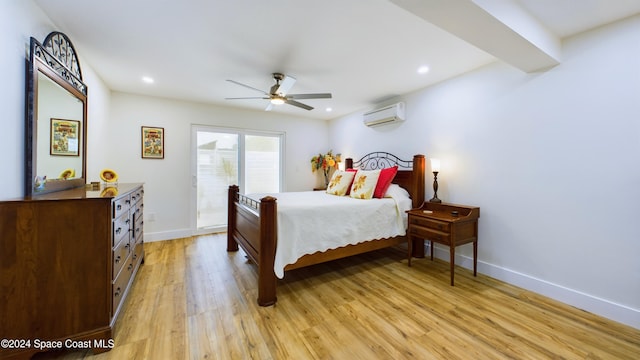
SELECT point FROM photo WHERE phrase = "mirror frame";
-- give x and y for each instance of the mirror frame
(57, 60)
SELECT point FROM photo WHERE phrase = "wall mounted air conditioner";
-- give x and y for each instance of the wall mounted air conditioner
(385, 115)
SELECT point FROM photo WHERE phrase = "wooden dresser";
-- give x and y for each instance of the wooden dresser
(67, 262)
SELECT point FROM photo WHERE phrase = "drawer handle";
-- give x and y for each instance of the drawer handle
(129, 267)
(117, 293)
(135, 256)
(127, 201)
(118, 207)
(118, 231)
(118, 259)
(127, 245)
(127, 221)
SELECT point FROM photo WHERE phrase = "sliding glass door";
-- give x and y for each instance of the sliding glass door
(223, 157)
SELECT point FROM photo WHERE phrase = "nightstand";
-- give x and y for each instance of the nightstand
(446, 224)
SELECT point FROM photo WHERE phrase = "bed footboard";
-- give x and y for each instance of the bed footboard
(252, 225)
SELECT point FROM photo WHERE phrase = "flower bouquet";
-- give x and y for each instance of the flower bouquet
(325, 162)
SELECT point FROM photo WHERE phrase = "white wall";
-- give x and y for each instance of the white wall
(551, 158)
(168, 181)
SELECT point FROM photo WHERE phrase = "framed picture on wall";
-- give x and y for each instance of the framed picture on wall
(64, 137)
(152, 142)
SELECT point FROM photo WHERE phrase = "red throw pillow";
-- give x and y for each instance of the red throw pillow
(386, 176)
(349, 188)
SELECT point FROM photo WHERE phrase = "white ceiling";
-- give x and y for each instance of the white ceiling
(362, 51)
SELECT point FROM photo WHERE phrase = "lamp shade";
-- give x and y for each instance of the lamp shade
(435, 165)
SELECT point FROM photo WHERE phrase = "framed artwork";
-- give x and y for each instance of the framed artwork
(152, 142)
(64, 137)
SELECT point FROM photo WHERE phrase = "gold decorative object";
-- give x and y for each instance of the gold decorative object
(108, 176)
(67, 174)
(109, 191)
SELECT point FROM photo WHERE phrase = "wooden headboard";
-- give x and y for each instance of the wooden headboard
(410, 172)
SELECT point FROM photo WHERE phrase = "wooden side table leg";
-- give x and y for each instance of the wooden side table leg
(431, 248)
(475, 258)
(452, 256)
(410, 246)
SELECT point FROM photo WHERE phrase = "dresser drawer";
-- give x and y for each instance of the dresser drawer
(136, 216)
(138, 231)
(429, 223)
(121, 206)
(120, 283)
(136, 196)
(138, 253)
(120, 228)
(120, 256)
(429, 234)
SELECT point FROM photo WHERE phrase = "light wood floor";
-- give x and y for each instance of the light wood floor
(193, 300)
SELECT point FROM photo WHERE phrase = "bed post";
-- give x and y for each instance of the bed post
(418, 199)
(232, 245)
(418, 180)
(348, 163)
(266, 258)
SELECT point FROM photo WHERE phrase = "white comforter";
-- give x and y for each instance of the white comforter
(313, 221)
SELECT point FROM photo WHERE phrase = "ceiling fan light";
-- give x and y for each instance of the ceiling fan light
(277, 100)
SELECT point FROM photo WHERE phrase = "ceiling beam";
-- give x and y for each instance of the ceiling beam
(499, 27)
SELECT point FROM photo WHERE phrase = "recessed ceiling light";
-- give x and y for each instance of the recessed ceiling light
(423, 69)
(147, 79)
(329, 109)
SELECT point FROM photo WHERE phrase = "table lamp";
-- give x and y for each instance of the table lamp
(435, 168)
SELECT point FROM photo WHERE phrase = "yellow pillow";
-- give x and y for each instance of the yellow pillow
(364, 184)
(340, 182)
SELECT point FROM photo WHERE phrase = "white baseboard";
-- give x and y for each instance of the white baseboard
(602, 307)
(166, 235)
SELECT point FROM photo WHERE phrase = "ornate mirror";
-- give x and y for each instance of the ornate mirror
(56, 148)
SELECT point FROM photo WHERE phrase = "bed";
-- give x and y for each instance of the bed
(253, 223)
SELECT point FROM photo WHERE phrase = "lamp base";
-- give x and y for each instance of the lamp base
(435, 199)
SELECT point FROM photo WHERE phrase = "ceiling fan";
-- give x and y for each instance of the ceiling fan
(278, 93)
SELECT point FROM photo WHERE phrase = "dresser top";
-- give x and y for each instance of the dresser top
(87, 192)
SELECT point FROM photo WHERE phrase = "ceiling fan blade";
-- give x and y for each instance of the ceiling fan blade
(286, 84)
(247, 86)
(298, 104)
(269, 107)
(242, 98)
(309, 96)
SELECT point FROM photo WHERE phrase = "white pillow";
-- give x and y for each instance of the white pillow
(402, 199)
(340, 182)
(397, 192)
(364, 184)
